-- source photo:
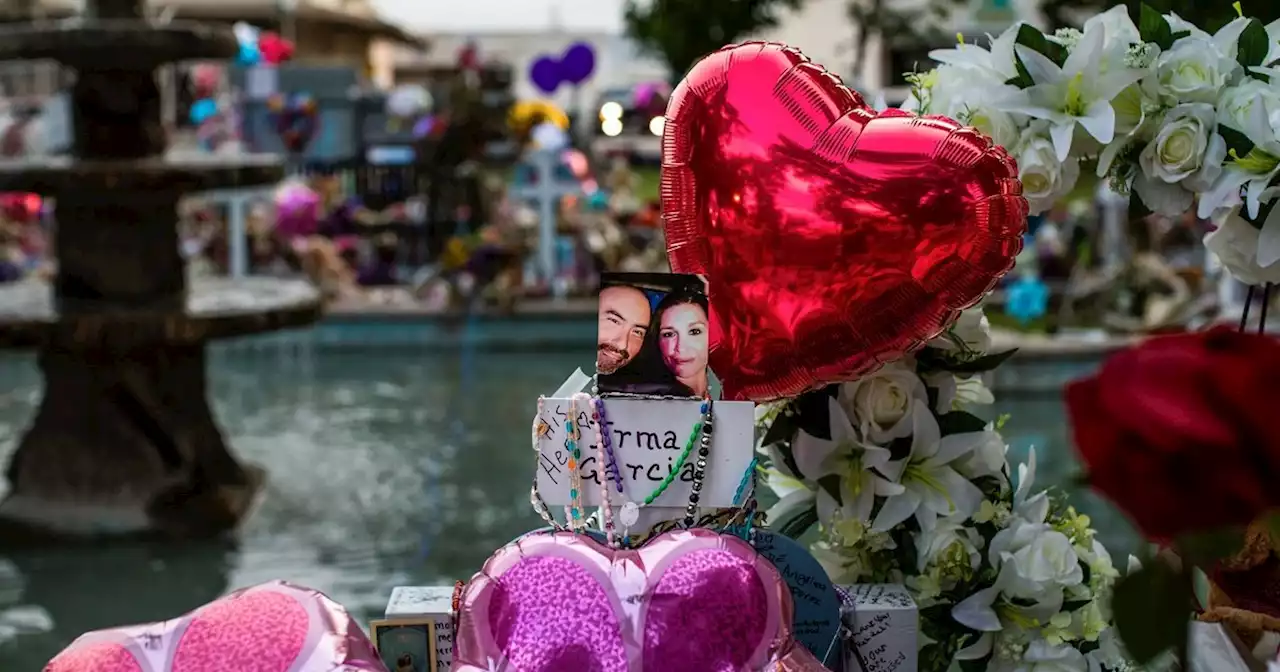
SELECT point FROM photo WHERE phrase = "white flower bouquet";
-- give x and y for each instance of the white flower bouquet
(1173, 116)
(907, 486)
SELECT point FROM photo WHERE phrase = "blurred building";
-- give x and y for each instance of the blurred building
(325, 32)
(618, 62)
(823, 30)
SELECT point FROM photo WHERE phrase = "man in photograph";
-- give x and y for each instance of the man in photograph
(624, 321)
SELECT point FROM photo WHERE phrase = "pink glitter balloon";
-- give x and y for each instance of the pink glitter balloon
(688, 601)
(275, 627)
(297, 210)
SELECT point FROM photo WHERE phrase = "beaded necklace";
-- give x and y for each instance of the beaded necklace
(629, 514)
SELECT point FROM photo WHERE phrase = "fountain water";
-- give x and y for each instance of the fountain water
(124, 440)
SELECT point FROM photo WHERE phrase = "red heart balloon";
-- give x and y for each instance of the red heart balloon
(833, 238)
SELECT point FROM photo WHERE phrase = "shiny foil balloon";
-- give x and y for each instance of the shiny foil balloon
(275, 627)
(833, 238)
(688, 601)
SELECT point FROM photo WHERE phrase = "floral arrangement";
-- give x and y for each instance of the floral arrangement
(907, 485)
(1171, 115)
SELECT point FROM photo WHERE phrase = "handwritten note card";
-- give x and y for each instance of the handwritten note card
(648, 437)
(816, 622)
(427, 602)
(882, 628)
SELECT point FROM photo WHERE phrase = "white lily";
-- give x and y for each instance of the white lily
(858, 465)
(1251, 173)
(997, 62)
(794, 495)
(1077, 93)
(931, 485)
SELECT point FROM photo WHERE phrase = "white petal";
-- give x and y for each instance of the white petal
(811, 455)
(1086, 56)
(1061, 134)
(887, 489)
(925, 432)
(955, 446)
(840, 426)
(827, 505)
(893, 470)
(965, 496)
(789, 506)
(1041, 69)
(860, 507)
(896, 510)
(1100, 121)
(1224, 193)
(1269, 239)
(1026, 477)
(976, 612)
(978, 649)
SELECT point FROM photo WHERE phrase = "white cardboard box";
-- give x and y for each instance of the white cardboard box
(881, 625)
(427, 602)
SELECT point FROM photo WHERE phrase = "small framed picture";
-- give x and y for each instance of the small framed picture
(654, 335)
(405, 645)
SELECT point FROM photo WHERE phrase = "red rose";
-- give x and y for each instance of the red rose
(1183, 432)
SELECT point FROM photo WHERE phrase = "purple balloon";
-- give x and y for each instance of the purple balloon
(578, 63)
(546, 74)
(423, 126)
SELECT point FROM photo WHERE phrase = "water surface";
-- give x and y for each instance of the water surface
(385, 469)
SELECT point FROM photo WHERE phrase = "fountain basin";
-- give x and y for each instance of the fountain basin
(176, 171)
(216, 308)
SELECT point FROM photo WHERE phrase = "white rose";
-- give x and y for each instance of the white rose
(1235, 244)
(1041, 656)
(881, 403)
(1043, 560)
(1235, 101)
(1194, 70)
(971, 330)
(988, 459)
(992, 122)
(933, 545)
(1184, 158)
(1045, 180)
(1050, 559)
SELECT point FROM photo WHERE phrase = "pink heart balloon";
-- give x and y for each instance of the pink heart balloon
(688, 601)
(275, 627)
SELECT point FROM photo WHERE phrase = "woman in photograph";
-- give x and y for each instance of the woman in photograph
(684, 339)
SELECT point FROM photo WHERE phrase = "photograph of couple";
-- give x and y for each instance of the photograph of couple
(654, 335)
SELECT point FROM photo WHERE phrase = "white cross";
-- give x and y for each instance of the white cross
(547, 193)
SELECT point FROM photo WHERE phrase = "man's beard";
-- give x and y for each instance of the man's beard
(609, 359)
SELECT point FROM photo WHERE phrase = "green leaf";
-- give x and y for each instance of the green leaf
(1264, 211)
(796, 526)
(813, 415)
(1023, 80)
(1152, 609)
(1036, 41)
(1253, 45)
(783, 428)
(1236, 141)
(982, 364)
(959, 422)
(831, 485)
(1152, 27)
(1137, 209)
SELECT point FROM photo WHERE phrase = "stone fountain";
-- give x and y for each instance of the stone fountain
(124, 441)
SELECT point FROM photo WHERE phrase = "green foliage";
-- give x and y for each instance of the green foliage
(1253, 44)
(683, 31)
(1152, 608)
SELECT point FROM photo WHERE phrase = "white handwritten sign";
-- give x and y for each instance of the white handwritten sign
(648, 436)
(882, 628)
(427, 603)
